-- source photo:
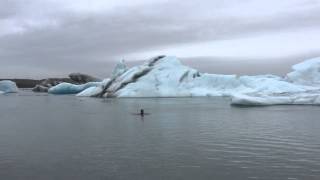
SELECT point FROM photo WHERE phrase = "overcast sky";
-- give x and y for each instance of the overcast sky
(45, 38)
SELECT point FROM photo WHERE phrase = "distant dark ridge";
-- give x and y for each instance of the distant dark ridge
(30, 83)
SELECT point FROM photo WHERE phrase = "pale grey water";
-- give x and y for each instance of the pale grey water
(69, 138)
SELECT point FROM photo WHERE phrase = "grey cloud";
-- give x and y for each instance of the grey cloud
(227, 65)
(91, 42)
(7, 9)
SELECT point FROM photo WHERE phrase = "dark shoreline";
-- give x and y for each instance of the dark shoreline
(30, 83)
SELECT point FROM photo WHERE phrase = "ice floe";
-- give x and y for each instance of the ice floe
(276, 99)
(7, 86)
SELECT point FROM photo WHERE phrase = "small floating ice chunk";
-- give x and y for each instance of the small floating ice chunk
(242, 99)
(276, 99)
(7, 86)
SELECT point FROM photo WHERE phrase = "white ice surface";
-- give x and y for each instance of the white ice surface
(94, 90)
(119, 69)
(306, 73)
(263, 100)
(68, 88)
(90, 92)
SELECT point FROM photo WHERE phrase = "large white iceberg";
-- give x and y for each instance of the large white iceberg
(7, 86)
(167, 77)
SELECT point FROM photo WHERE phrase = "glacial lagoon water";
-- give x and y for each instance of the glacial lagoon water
(47, 137)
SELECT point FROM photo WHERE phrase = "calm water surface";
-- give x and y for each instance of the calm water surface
(68, 138)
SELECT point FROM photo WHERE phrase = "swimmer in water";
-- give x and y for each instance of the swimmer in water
(141, 113)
